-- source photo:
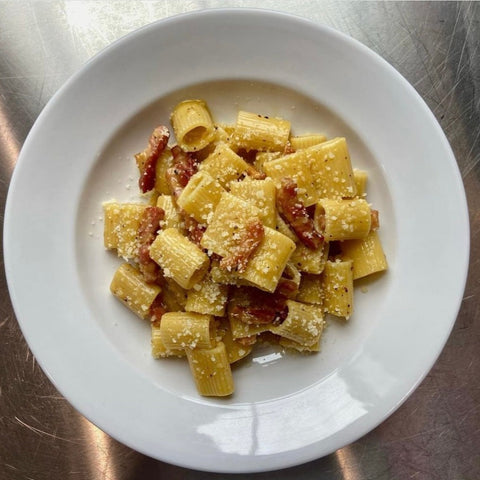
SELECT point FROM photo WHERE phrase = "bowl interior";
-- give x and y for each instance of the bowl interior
(262, 376)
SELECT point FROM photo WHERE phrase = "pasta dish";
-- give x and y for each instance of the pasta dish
(248, 234)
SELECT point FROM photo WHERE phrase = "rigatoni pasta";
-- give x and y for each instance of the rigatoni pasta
(249, 234)
(129, 286)
(211, 370)
(192, 124)
(259, 132)
(179, 258)
(182, 330)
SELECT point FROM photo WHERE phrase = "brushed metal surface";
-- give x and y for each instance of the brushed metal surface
(435, 434)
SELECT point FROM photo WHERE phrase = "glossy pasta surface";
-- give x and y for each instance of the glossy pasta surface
(247, 233)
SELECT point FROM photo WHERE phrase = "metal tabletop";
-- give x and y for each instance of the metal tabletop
(435, 434)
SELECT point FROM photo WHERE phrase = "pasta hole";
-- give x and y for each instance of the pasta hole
(195, 135)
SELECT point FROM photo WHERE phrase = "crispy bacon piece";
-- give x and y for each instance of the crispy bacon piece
(258, 308)
(247, 155)
(194, 229)
(288, 283)
(147, 231)
(156, 145)
(295, 214)
(185, 165)
(157, 309)
(286, 287)
(248, 241)
(375, 220)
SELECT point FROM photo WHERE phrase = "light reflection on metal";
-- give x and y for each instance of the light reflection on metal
(346, 462)
(9, 145)
(99, 454)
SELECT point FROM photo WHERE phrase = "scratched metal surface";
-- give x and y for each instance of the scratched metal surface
(436, 433)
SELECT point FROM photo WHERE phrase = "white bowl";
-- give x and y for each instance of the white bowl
(286, 409)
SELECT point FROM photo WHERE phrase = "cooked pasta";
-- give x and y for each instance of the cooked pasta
(211, 370)
(258, 132)
(192, 124)
(182, 330)
(131, 289)
(249, 234)
(179, 258)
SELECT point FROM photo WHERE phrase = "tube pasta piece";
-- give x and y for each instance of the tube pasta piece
(235, 350)
(193, 125)
(310, 289)
(111, 224)
(207, 297)
(262, 157)
(171, 218)
(224, 165)
(131, 289)
(304, 323)
(211, 370)
(367, 255)
(360, 177)
(338, 288)
(257, 132)
(159, 350)
(343, 219)
(243, 330)
(331, 169)
(121, 222)
(308, 260)
(295, 166)
(266, 266)
(305, 141)
(290, 344)
(224, 277)
(230, 217)
(174, 296)
(223, 133)
(179, 258)
(164, 162)
(201, 196)
(260, 193)
(181, 330)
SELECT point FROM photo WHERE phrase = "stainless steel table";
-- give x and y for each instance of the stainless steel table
(436, 46)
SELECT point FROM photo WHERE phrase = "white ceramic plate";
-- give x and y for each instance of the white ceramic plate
(286, 409)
